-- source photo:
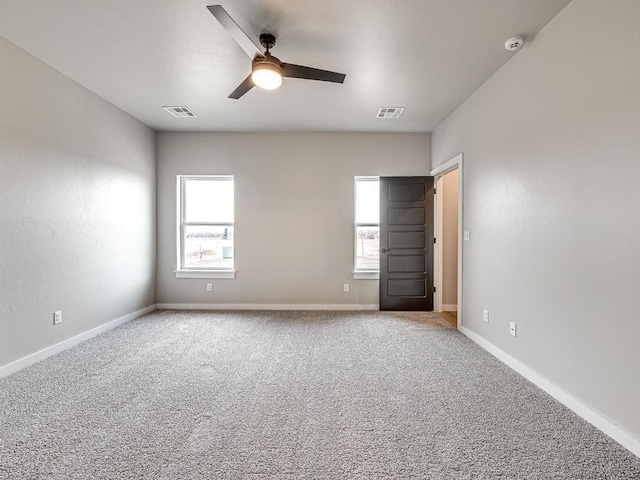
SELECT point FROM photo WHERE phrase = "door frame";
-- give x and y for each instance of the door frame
(438, 173)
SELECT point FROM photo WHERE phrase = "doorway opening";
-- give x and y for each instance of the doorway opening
(448, 249)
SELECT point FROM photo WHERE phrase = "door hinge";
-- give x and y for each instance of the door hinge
(434, 239)
(435, 190)
(434, 289)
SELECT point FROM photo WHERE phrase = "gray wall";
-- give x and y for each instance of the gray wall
(294, 211)
(77, 208)
(551, 148)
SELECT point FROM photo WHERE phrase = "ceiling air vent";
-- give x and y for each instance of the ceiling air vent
(390, 112)
(180, 111)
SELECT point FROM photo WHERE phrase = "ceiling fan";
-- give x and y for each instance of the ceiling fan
(266, 70)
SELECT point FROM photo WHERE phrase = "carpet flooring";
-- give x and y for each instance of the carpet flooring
(287, 395)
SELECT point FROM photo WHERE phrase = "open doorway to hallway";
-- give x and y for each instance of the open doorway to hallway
(449, 186)
(448, 251)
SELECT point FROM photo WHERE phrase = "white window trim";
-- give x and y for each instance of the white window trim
(205, 274)
(366, 275)
(195, 272)
(362, 273)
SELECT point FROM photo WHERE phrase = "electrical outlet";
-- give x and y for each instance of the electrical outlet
(57, 317)
(486, 315)
(346, 287)
(209, 287)
(512, 329)
(467, 236)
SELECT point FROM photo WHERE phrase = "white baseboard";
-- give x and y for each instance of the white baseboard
(264, 306)
(450, 308)
(70, 342)
(624, 438)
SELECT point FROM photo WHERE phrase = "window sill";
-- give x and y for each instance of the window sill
(366, 275)
(205, 274)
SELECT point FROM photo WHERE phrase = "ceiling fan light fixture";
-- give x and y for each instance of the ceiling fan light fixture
(266, 75)
(266, 71)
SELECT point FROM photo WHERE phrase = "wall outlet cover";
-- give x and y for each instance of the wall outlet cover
(485, 316)
(57, 317)
(512, 329)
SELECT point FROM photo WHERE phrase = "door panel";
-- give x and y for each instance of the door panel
(406, 240)
(406, 288)
(406, 243)
(406, 216)
(405, 263)
(406, 192)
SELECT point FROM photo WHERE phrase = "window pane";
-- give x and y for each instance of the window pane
(368, 201)
(367, 246)
(208, 247)
(209, 200)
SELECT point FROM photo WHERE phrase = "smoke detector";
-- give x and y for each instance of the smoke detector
(514, 43)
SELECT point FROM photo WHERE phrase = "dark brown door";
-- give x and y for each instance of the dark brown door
(406, 243)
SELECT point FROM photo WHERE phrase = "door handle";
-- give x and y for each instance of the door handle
(385, 250)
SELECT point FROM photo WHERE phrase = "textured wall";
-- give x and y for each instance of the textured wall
(77, 208)
(294, 211)
(551, 168)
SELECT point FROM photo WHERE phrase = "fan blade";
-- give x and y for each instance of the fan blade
(235, 31)
(243, 88)
(308, 73)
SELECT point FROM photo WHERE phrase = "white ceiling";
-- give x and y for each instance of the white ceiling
(425, 55)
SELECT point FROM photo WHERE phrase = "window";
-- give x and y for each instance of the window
(205, 226)
(367, 225)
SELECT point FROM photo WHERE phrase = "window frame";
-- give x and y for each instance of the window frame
(360, 273)
(199, 272)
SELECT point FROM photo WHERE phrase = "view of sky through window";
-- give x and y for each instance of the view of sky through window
(209, 201)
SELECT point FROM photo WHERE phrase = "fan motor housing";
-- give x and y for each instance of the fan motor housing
(269, 59)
